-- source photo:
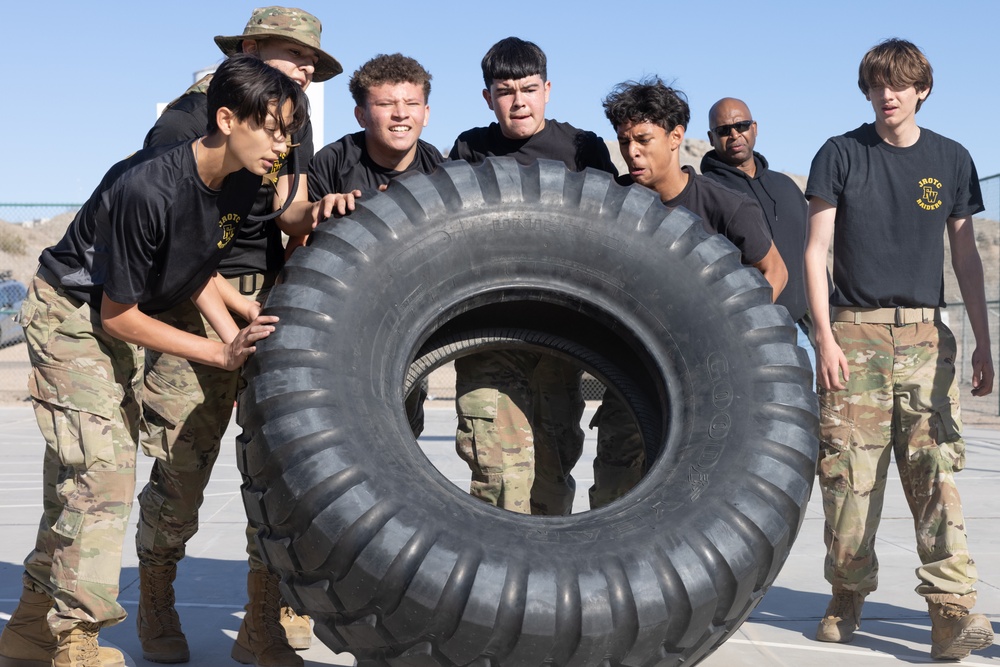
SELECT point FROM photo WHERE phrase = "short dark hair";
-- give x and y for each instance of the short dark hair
(647, 101)
(394, 68)
(250, 88)
(897, 64)
(513, 58)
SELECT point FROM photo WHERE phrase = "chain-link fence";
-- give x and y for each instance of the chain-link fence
(991, 197)
(988, 241)
(441, 385)
(32, 227)
(956, 319)
(25, 229)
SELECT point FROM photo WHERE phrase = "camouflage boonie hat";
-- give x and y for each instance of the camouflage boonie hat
(288, 23)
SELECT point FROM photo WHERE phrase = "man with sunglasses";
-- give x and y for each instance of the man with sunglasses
(734, 163)
(650, 119)
(885, 362)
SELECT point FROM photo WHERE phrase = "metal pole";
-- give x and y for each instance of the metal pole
(966, 352)
(995, 179)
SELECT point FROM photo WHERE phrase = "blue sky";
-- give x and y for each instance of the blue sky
(81, 80)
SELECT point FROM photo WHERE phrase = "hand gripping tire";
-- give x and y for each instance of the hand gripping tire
(399, 566)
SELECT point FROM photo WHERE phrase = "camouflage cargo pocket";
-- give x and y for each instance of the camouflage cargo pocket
(477, 402)
(946, 427)
(835, 434)
(73, 411)
(479, 445)
(946, 422)
(36, 325)
(170, 406)
(29, 308)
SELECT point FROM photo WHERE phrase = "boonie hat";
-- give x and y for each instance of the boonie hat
(288, 23)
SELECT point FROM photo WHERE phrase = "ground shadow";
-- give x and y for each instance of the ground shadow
(885, 627)
(210, 597)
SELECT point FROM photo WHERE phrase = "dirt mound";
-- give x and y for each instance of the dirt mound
(20, 245)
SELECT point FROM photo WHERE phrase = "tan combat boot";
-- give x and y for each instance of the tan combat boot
(842, 618)
(26, 640)
(157, 622)
(955, 633)
(261, 640)
(298, 630)
(78, 648)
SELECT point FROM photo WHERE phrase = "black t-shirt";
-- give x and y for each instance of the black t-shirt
(577, 149)
(723, 211)
(345, 165)
(259, 247)
(892, 206)
(152, 233)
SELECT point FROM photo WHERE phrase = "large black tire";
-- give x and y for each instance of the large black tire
(400, 567)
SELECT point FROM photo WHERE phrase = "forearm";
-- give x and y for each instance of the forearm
(969, 273)
(822, 217)
(298, 219)
(301, 215)
(968, 268)
(293, 243)
(818, 295)
(234, 301)
(210, 302)
(133, 326)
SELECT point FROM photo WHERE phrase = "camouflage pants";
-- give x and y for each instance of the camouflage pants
(187, 408)
(621, 457)
(902, 399)
(511, 407)
(86, 389)
(494, 431)
(557, 407)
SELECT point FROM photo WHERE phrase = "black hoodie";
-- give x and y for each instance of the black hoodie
(786, 212)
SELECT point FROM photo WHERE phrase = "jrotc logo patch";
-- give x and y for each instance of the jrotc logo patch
(228, 224)
(271, 177)
(929, 190)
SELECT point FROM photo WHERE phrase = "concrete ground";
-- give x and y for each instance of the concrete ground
(211, 586)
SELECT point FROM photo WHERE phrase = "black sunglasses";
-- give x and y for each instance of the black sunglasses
(740, 127)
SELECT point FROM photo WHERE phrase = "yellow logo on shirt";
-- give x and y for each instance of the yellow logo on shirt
(929, 200)
(228, 223)
(272, 176)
